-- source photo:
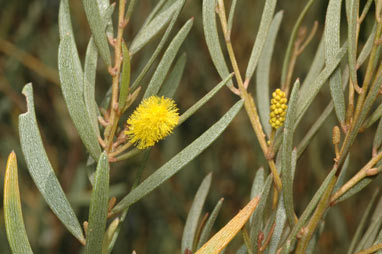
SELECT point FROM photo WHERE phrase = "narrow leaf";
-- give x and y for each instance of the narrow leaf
(97, 27)
(125, 77)
(257, 221)
(41, 170)
(375, 116)
(286, 155)
(308, 210)
(91, 68)
(332, 42)
(98, 207)
(167, 59)
(362, 223)
(352, 9)
(372, 231)
(212, 38)
(159, 48)
(231, 14)
(70, 83)
(279, 228)
(110, 232)
(265, 23)
(13, 216)
(307, 94)
(203, 100)
(263, 73)
(179, 161)
(154, 12)
(258, 183)
(227, 233)
(194, 214)
(153, 27)
(66, 30)
(356, 188)
(365, 52)
(170, 86)
(209, 224)
(89, 84)
(106, 9)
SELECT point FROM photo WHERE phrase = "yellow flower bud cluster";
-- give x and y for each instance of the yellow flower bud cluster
(278, 109)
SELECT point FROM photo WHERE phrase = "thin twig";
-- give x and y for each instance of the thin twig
(364, 172)
(114, 116)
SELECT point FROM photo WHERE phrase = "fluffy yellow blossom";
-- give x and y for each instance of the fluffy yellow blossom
(278, 109)
(154, 119)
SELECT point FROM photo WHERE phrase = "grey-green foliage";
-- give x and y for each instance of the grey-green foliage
(212, 38)
(193, 216)
(153, 27)
(97, 27)
(70, 85)
(286, 154)
(167, 59)
(257, 222)
(98, 206)
(332, 40)
(263, 73)
(261, 37)
(41, 170)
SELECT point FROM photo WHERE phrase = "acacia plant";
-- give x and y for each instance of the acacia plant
(269, 222)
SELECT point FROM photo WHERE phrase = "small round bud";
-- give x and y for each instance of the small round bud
(336, 135)
(278, 108)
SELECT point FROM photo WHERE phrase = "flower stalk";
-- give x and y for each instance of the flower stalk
(115, 72)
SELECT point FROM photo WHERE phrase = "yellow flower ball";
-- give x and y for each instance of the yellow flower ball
(153, 120)
(278, 108)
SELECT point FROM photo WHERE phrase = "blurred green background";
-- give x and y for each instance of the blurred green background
(28, 53)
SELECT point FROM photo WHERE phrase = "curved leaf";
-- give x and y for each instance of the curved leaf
(332, 38)
(14, 223)
(66, 30)
(209, 224)
(159, 47)
(212, 38)
(257, 222)
(89, 84)
(153, 27)
(41, 170)
(286, 155)
(70, 83)
(167, 59)
(352, 9)
(97, 27)
(262, 34)
(263, 72)
(307, 94)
